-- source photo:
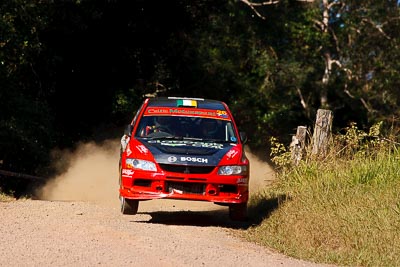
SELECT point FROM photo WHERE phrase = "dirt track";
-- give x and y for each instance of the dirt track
(77, 229)
(55, 233)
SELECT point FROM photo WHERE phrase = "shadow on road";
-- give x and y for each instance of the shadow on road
(217, 218)
(262, 208)
(259, 211)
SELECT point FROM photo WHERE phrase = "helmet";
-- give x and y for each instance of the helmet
(209, 127)
(163, 121)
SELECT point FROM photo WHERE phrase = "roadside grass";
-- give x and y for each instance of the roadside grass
(5, 198)
(342, 210)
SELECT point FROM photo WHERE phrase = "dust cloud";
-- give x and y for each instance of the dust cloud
(261, 173)
(90, 173)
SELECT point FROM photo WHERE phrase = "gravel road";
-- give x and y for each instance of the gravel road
(61, 233)
(77, 222)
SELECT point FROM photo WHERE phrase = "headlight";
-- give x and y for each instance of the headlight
(140, 164)
(232, 170)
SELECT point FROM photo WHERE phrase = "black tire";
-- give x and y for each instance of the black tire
(120, 172)
(238, 212)
(129, 206)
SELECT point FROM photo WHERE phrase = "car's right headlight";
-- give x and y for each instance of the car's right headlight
(140, 164)
(233, 170)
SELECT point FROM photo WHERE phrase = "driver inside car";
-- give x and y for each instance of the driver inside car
(164, 124)
(210, 129)
(161, 124)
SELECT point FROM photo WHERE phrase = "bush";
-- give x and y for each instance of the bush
(343, 209)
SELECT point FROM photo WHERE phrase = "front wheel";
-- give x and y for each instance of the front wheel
(238, 212)
(129, 206)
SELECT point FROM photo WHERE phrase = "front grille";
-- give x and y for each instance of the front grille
(228, 188)
(186, 188)
(187, 169)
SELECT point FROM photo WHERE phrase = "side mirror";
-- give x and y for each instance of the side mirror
(243, 137)
(128, 130)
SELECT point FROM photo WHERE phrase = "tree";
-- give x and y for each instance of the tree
(25, 132)
(350, 50)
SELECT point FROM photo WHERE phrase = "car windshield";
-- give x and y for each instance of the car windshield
(183, 127)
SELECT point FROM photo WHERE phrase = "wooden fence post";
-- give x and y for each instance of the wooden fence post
(298, 144)
(322, 132)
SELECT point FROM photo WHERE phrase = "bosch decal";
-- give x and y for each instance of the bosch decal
(194, 159)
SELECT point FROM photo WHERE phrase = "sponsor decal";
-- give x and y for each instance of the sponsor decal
(212, 145)
(156, 111)
(142, 149)
(232, 153)
(169, 143)
(176, 143)
(192, 112)
(128, 150)
(194, 159)
(127, 172)
(172, 159)
(222, 114)
(242, 181)
(176, 191)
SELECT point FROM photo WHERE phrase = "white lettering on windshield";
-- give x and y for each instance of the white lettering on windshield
(187, 143)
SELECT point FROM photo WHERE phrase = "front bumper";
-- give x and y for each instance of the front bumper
(212, 188)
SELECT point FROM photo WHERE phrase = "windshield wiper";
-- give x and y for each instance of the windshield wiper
(216, 141)
(182, 138)
(192, 138)
(168, 137)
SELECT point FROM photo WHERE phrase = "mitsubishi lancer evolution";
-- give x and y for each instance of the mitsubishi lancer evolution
(187, 149)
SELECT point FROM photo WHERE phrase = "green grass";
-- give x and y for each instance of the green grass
(344, 210)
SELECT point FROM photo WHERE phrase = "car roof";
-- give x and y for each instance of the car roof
(182, 102)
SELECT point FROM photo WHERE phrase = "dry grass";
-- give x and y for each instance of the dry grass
(344, 210)
(5, 198)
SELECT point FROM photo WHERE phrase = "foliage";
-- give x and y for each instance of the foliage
(342, 210)
(279, 154)
(70, 69)
(5, 198)
(25, 121)
(369, 52)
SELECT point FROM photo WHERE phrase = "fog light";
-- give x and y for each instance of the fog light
(211, 190)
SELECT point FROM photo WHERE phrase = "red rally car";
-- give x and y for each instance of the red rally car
(184, 148)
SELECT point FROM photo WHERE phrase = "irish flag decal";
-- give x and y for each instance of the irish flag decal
(186, 103)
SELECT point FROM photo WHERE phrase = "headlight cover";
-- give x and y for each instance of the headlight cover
(140, 164)
(233, 170)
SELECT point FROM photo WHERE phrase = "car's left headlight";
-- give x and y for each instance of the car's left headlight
(140, 164)
(233, 170)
